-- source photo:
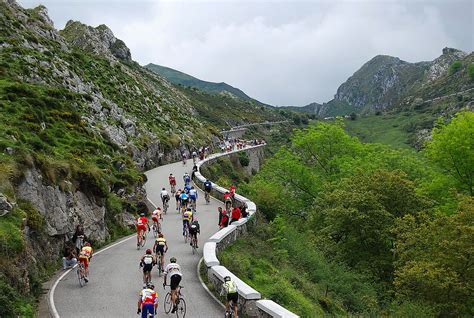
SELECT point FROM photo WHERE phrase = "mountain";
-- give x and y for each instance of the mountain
(384, 82)
(79, 123)
(180, 78)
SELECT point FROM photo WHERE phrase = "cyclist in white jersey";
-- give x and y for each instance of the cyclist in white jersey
(174, 271)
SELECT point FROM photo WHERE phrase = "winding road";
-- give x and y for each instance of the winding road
(115, 278)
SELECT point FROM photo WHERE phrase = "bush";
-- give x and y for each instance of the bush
(470, 71)
(244, 159)
(455, 67)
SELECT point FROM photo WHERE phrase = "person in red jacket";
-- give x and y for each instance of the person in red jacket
(223, 218)
(235, 216)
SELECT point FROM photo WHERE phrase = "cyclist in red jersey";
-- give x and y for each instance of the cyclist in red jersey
(142, 224)
(172, 180)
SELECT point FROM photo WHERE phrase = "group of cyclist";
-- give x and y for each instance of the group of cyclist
(186, 199)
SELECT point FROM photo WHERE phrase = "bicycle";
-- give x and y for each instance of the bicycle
(186, 234)
(180, 303)
(156, 229)
(194, 244)
(207, 197)
(160, 266)
(81, 274)
(165, 207)
(230, 313)
(141, 240)
(173, 189)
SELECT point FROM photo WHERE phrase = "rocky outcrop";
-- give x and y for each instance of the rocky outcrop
(440, 65)
(5, 205)
(63, 210)
(99, 40)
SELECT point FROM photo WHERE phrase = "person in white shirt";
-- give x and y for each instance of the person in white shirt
(174, 270)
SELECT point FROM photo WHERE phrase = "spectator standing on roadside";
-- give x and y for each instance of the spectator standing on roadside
(79, 238)
(243, 211)
(69, 257)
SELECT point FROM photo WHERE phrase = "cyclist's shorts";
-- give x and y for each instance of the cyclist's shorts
(147, 267)
(208, 190)
(141, 227)
(174, 281)
(84, 260)
(148, 309)
(233, 297)
(186, 223)
(192, 198)
(193, 232)
(160, 249)
(154, 219)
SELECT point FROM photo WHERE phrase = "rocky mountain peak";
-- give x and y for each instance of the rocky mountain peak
(441, 64)
(99, 40)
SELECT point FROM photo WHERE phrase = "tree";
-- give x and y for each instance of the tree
(435, 260)
(452, 149)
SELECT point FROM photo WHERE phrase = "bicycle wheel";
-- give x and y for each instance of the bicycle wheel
(143, 242)
(155, 230)
(159, 267)
(181, 311)
(167, 304)
(80, 276)
(186, 234)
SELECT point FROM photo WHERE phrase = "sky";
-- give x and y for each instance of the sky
(280, 52)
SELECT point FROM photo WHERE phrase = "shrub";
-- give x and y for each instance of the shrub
(470, 71)
(455, 67)
(244, 159)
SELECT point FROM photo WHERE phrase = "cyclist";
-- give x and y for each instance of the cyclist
(155, 215)
(160, 248)
(194, 230)
(187, 188)
(85, 257)
(186, 178)
(183, 157)
(193, 196)
(229, 288)
(148, 301)
(177, 196)
(207, 189)
(187, 219)
(165, 197)
(172, 181)
(194, 154)
(174, 270)
(142, 224)
(147, 262)
(183, 198)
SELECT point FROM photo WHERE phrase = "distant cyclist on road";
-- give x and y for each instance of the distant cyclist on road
(177, 197)
(165, 197)
(229, 288)
(174, 271)
(193, 196)
(187, 219)
(194, 230)
(186, 178)
(142, 224)
(183, 199)
(160, 248)
(172, 181)
(207, 190)
(148, 301)
(147, 262)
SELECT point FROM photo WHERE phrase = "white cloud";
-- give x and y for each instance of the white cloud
(284, 53)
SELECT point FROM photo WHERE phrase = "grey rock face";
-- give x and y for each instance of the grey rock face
(99, 40)
(63, 210)
(440, 66)
(5, 205)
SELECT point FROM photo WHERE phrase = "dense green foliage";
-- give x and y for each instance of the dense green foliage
(454, 67)
(388, 223)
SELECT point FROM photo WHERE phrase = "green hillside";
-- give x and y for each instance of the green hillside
(180, 78)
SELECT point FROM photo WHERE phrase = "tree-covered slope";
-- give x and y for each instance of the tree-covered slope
(180, 78)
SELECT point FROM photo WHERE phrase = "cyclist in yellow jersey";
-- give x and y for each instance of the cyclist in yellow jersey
(187, 219)
(160, 248)
(84, 257)
(229, 288)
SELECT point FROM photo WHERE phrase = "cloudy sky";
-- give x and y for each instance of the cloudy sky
(279, 52)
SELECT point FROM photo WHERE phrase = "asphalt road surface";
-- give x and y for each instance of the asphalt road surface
(115, 277)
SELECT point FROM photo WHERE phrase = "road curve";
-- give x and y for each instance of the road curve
(115, 278)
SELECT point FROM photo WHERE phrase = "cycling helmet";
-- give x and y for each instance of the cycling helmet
(163, 189)
(227, 279)
(87, 244)
(173, 260)
(160, 234)
(150, 285)
(171, 174)
(192, 187)
(142, 214)
(148, 251)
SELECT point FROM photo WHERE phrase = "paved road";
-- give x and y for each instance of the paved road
(115, 278)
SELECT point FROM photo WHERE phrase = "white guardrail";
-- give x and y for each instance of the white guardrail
(249, 299)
